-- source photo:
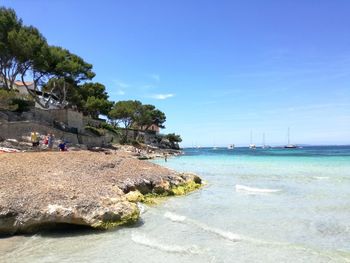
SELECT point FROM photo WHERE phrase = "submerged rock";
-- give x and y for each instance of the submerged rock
(45, 189)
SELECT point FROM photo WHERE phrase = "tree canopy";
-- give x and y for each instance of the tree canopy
(24, 52)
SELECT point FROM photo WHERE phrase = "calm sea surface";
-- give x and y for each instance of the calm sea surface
(272, 205)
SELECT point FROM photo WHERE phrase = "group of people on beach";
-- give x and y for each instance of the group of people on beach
(48, 141)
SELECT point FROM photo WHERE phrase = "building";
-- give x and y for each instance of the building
(153, 128)
(45, 97)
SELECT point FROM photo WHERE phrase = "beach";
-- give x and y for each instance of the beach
(272, 205)
(83, 188)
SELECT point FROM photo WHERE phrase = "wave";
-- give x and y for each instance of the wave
(321, 177)
(174, 217)
(219, 232)
(141, 207)
(243, 188)
(142, 239)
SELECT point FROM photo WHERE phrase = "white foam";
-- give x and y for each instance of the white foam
(141, 207)
(174, 217)
(142, 239)
(321, 177)
(219, 232)
(243, 188)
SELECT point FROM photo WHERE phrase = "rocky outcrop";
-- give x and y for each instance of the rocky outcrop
(45, 189)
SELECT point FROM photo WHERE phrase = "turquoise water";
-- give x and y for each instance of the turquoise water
(273, 205)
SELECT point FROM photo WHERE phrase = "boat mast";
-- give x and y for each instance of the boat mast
(288, 136)
(264, 139)
(251, 137)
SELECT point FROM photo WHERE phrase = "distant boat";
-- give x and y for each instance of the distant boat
(289, 145)
(251, 145)
(230, 146)
(264, 146)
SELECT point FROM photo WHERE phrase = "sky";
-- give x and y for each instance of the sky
(218, 69)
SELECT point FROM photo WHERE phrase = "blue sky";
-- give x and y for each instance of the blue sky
(218, 69)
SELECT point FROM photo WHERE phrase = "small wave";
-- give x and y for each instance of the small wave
(219, 232)
(243, 188)
(142, 239)
(174, 217)
(321, 177)
(141, 207)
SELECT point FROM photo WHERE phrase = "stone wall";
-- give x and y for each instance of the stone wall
(20, 129)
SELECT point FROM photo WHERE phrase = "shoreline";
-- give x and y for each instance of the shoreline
(42, 190)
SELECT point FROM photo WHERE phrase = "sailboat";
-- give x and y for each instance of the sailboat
(230, 146)
(289, 145)
(251, 145)
(264, 146)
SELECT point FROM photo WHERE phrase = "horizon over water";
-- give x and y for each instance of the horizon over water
(263, 205)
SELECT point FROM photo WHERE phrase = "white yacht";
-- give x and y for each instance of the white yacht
(289, 145)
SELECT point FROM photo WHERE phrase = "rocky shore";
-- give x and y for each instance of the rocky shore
(96, 189)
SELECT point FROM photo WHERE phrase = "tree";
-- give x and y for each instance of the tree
(125, 112)
(173, 138)
(25, 52)
(96, 106)
(149, 115)
(93, 99)
(9, 68)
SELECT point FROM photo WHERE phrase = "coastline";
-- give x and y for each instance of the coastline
(95, 189)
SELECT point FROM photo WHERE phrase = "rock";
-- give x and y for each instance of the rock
(44, 189)
(134, 196)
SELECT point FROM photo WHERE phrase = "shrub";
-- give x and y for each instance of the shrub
(111, 128)
(22, 105)
(94, 130)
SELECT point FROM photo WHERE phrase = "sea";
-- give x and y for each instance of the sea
(263, 205)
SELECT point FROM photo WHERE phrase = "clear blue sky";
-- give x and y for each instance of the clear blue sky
(218, 69)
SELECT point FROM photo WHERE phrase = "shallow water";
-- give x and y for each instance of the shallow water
(272, 205)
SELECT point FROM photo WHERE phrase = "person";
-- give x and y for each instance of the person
(46, 140)
(165, 157)
(34, 138)
(50, 140)
(62, 146)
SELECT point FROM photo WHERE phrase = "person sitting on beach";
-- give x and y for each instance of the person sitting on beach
(62, 146)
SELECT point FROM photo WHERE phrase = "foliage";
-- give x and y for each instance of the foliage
(12, 100)
(95, 106)
(149, 115)
(9, 69)
(94, 130)
(21, 104)
(173, 138)
(125, 112)
(111, 128)
(25, 52)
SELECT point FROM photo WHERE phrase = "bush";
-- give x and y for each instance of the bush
(94, 130)
(111, 128)
(12, 100)
(22, 105)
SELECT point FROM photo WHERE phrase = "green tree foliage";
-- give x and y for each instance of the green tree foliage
(25, 52)
(125, 112)
(173, 138)
(149, 115)
(9, 69)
